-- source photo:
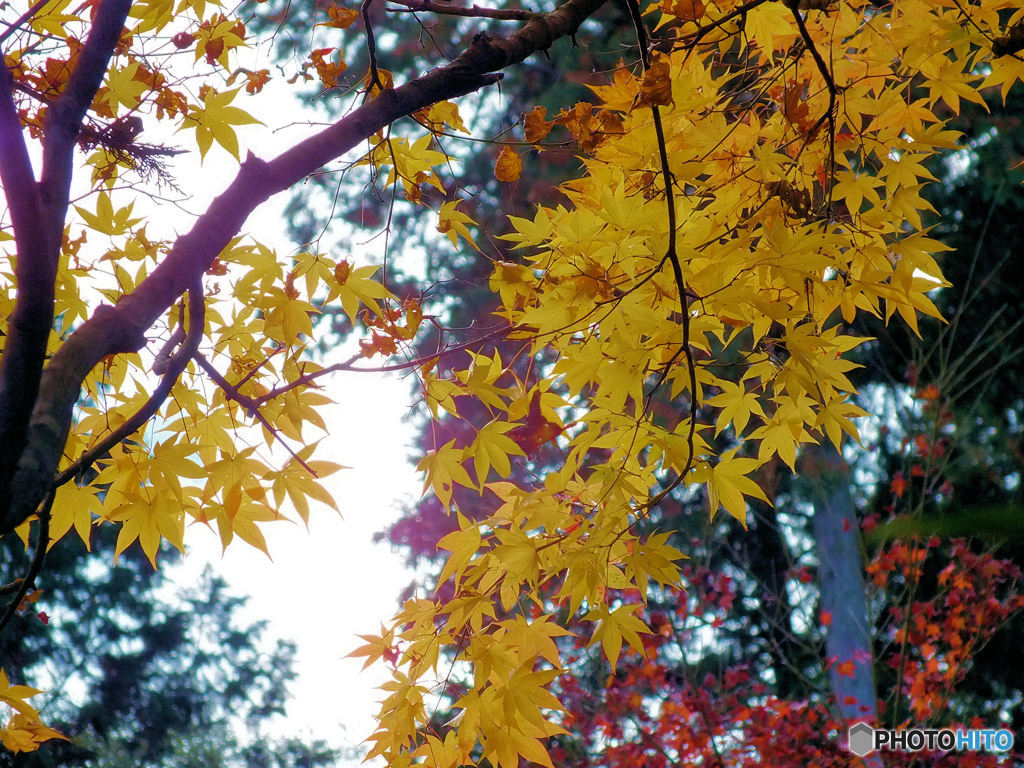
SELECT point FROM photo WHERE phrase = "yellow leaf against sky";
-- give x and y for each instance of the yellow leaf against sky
(214, 120)
(294, 482)
(359, 288)
(124, 89)
(453, 223)
(152, 14)
(106, 220)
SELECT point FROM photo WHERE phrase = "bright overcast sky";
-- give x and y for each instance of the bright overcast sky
(326, 585)
(332, 582)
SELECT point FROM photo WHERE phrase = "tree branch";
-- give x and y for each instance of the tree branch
(252, 407)
(26, 582)
(121, 328)
(173, 368)
(349, 365)
(39, 242)
(25, 205)
(501, 14)
(64, 117)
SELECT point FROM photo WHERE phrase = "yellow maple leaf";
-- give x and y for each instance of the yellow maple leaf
(728, 482)
(214, 120)
(74, 505)
(463, 545)
(492, 447)
(443, 467)
(358, 288)
(617, 625)
(453, 223)
(25, 731)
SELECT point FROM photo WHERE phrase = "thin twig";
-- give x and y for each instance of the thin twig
(371, 48)
(42, 541)
(251, 407)
(671, 255)
(702, 31)
(348, 365)
(172, 369)
(13, 27)
(833, 92)
(475, 11)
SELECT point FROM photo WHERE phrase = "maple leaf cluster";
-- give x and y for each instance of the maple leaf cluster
(679, 325)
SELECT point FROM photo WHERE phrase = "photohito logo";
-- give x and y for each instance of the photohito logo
(863, 739)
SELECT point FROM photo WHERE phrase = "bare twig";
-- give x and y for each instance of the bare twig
(718, 23)
(251, 406)
(371, 48)
(349, 365)
(671, 256)
(475, 11)
(42, 542)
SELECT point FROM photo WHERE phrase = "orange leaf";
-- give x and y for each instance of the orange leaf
(340, 18)
(341, 271)
(656, 87)
(328, 71)
(898, 485)
(537, 430)
(846, 669)
(685, 10)
(509, 165)
(379, 344)
(535, 127)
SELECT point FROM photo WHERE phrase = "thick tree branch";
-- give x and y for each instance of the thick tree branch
(475, 11)
(25, 205)
(16, 174)
(39, 242)
(64, 117)
(121, 328)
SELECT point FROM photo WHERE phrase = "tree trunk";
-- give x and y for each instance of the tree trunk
(841, 580)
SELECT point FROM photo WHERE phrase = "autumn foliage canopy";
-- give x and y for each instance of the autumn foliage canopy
(749, 183)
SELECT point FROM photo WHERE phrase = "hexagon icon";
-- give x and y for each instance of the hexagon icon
(861, 739)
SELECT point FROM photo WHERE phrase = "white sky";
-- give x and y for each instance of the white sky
(331, 583)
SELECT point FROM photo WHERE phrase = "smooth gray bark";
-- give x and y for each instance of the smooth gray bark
(841, 580)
